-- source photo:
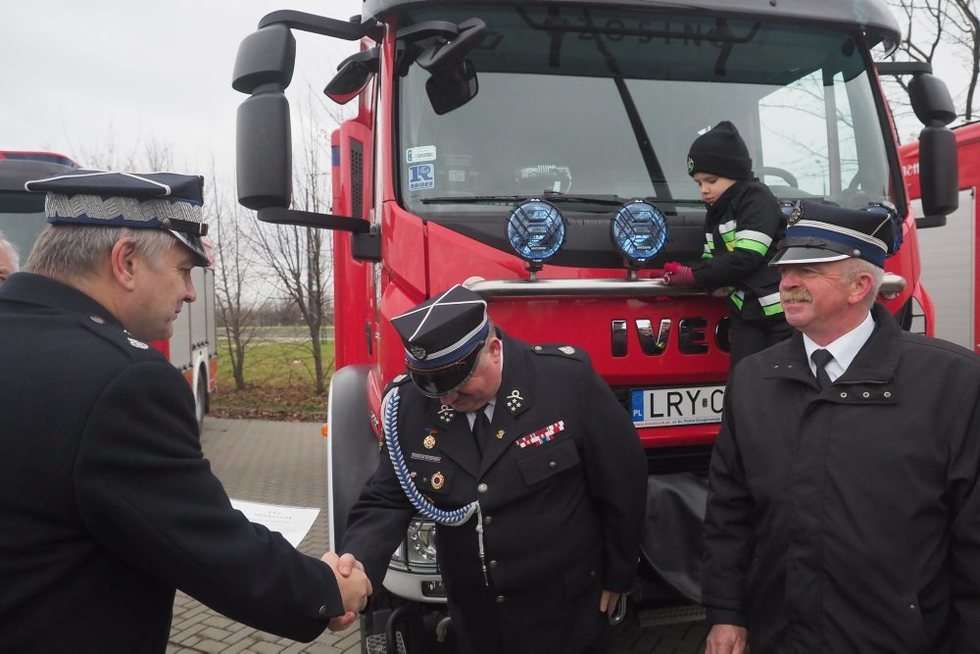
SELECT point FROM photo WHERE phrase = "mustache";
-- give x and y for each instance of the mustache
(795, 295)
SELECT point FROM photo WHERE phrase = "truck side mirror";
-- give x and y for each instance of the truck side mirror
(453, 82)
(352, 75)
(263, 69)
(938, 169)
(451, 89)
(266, 56)
(931, 100)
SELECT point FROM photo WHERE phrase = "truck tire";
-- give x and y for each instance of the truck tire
(201, 397)
(352, 447)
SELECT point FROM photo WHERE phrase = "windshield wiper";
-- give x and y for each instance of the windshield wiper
(550, 196)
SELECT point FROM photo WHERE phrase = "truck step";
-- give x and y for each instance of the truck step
(378, 644)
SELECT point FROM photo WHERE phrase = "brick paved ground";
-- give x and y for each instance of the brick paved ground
(278, 463)
(285, 463)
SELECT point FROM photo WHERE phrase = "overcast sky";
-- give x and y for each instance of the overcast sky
(82, 78)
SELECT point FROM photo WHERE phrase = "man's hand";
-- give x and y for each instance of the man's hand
(608, 602)
(677, 274)
(727, 639)
(354, 587)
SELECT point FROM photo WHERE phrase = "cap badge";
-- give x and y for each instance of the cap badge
(567, 349)
(429, 441)
(418, 352)
(438, 480)
(690, 164)
(795, 215)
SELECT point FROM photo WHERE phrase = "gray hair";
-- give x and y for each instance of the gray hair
(8, 247)
(71, 251)
(857, 267)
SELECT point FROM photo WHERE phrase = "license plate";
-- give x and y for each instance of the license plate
(661, 407)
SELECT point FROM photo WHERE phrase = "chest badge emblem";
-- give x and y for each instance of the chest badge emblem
(438, 480)
(429, 442)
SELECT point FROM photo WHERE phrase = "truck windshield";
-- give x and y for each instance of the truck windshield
(21, 219)
(590, 101)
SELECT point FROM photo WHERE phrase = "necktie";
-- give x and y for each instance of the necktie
(820, 359)
(481, 429)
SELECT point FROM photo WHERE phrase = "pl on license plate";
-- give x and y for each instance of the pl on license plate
(660, 407)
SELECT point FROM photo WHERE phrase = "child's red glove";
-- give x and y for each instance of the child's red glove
(677, 274)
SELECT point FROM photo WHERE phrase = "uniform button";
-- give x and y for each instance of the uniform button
(552, 464)
(887, 394)
(501, 599)
(843, 396)
(323, 611)
(493, 564)
(591, 573)
(913, 606)
(487, 519)
(865, 394)
(482, 487)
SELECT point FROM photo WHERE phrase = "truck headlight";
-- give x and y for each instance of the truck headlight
(639, 231)
(420, 544)
(536, 231)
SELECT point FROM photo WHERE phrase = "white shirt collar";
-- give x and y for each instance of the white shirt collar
(489, 406)
(844, 348)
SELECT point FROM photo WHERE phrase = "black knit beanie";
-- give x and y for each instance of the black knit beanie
(720, 151)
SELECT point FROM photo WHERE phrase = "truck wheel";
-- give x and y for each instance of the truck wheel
(201, 397)
(352, 447)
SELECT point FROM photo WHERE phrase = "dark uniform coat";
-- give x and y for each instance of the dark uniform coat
(848, 520)
(106, 502)
(562, 518)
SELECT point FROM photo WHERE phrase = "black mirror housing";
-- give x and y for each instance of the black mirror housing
(352, 75)
(938, 171)
(266, 56)
(451, 89)
(263, 151)
(931, 100)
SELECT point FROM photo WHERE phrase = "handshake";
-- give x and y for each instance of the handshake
(353, 584)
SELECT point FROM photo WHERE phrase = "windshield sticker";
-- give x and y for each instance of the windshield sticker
(421, 177)
(457, 175)
(420, 154)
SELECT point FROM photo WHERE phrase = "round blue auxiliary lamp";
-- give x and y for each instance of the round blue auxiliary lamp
(536, 230)
(639, 231)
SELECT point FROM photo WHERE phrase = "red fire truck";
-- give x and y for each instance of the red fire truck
(949, 255)
(478, 123)
(193, 346)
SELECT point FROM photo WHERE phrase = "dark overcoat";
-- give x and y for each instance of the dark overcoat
(562, 515)
(106, 502)
(848, 519)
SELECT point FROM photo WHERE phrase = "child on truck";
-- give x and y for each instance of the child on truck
(743, 223)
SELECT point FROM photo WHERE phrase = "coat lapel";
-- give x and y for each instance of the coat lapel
(456, 439)
(513, 399)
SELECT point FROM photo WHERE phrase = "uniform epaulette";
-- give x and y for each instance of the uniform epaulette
(397, 381)
(563, 351)
(111, 333)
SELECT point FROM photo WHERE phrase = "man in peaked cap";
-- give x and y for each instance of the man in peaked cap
(106, 500)
(547, 462)
(843, 510)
